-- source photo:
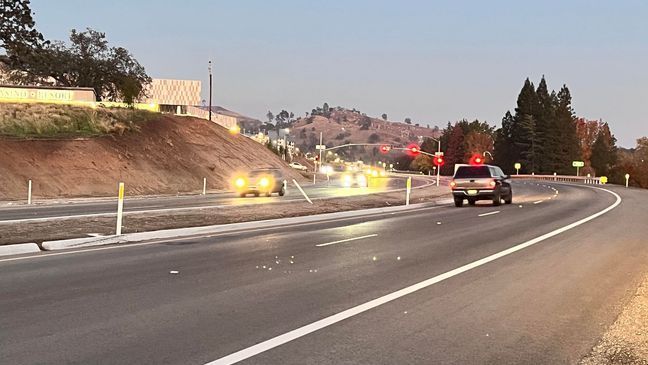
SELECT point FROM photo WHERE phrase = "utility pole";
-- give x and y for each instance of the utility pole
(210, 90)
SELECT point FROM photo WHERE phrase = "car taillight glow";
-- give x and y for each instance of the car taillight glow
(492, 183)
(453, 184)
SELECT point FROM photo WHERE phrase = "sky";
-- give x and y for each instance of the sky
(431, 61)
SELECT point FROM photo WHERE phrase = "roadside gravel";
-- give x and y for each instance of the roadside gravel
(626, 341)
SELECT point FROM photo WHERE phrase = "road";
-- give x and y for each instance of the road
(546, 302)
(165, 203)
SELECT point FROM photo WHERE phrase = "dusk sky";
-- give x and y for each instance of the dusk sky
(432, 61)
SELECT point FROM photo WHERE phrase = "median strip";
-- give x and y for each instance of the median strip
(346, 240)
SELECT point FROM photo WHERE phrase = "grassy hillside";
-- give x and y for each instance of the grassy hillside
(52, 120)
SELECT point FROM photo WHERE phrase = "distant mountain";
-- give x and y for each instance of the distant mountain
(342, 126)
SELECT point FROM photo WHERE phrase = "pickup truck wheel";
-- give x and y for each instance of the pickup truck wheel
(509, 198)
(282, 192)
(458, 202)
(497, 198)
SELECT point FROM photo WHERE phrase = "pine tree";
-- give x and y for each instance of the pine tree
(604, 152)
(544, 134)
(506, 154)
(523, 132)
(568, 147)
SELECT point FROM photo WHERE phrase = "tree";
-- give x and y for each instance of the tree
(374, 138)
(568, 149)
(326, 110)
(604, 152)
(270, 117)
(506, 153)
(478, 143)
(455, 152)
(408, 121)
(523, 129)
(88, 61)
(544, 135)
(422, 163)
(17, 26)
(384, 116)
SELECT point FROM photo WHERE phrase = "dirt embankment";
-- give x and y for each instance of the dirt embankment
(166, 156)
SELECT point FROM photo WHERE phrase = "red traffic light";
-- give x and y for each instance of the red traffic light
(476, 160)
(385, 148)
(439, 161)
(413, 149)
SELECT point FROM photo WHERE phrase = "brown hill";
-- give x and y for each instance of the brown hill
(167, 155)
(345, 126)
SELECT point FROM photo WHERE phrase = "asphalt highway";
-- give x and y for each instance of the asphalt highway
(340, 285)
(160, 203)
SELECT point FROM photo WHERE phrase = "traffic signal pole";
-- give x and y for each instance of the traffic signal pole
(439, 167)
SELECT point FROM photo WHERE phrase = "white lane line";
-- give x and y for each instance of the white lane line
(45, 254)
(538, 202)
(346, 240)
(489, 213)
(328, 321)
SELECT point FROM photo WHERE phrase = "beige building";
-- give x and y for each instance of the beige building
(174, 96)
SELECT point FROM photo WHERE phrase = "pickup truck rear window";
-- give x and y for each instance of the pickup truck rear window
(470, 172)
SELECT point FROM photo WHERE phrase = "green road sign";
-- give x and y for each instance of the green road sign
(578, 164)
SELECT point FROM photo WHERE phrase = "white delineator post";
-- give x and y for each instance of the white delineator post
(29, 192)
(204, 186)
(627, 176)
(302, 191)
(409, 189)
(120, 209)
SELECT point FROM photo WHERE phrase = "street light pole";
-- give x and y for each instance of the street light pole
(210, 90)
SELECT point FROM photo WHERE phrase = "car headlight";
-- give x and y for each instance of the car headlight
(264, 182)
(347, 181)
(374, 173)
(240, 182)
(362, 181)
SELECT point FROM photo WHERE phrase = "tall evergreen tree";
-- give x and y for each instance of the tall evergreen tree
(523, 132)
(568, 148)
(544, 135)
(604, 151)
(506, 153)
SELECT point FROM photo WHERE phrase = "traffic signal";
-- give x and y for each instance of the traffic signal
(439, 161)
(413, 149)
(385, 148)
(476, 160)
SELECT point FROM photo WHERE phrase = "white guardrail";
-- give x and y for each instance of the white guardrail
(562, 178)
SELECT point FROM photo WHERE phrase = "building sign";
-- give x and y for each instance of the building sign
(35, 94)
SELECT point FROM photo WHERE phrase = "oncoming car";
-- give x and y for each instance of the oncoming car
(261, 181)
(298, 166)
(481, 182)
(354, 179)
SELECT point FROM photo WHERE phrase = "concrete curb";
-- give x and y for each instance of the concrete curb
(222, 228)
(18, 249)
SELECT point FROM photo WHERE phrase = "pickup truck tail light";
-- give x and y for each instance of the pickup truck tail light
(453, 184)
(492, 183)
